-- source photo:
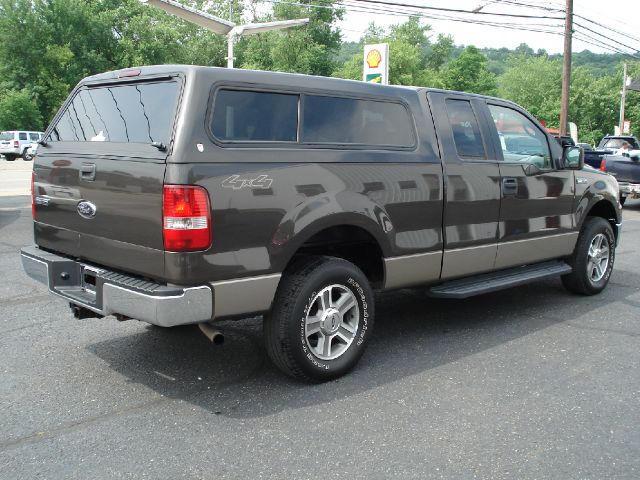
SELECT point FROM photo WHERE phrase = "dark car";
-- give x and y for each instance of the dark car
(608, 146)
(184, 195)
(626, 169)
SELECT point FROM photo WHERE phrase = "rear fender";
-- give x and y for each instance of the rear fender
(325, 211)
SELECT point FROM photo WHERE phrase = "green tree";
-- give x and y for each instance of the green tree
(19, 111)
(440, 52)
(469, 73)
(535, 83)
(310, 49)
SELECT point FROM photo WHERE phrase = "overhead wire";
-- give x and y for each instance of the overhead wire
(576, 15)
(433, 13)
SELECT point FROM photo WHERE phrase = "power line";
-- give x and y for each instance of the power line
(381, 7)
(546, 8)
(631, 37)
(456, 10)
(603, 36)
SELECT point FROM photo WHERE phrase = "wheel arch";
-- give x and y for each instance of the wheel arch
(352, 242)
(604, 208)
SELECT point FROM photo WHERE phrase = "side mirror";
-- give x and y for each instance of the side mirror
(573, 158)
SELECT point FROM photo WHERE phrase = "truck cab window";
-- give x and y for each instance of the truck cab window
(464, 125)
(521, 140)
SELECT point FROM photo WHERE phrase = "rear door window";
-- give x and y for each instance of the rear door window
(248, 116)
(466, 132)
(130, 113)
(353, 121)
(34, 137)
(22, 136)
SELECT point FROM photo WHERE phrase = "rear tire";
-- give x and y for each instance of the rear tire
(592, 259)
(321, 319)
(10, 157)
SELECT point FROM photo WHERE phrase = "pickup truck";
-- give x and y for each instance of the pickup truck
(184, 195)
(626, 169)
(608, 146)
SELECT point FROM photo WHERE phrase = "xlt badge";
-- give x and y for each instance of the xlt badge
(86, 209)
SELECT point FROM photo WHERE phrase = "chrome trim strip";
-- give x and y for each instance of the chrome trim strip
(244, 295)
(409, 270)
(538, 249)
(460, 262)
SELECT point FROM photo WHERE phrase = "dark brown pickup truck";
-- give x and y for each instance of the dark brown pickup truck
(184, 195)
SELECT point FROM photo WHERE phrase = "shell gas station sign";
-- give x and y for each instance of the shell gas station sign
(376, 63)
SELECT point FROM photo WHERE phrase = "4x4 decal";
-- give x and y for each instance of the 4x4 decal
(235, 182)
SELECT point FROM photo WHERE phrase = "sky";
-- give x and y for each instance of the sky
(620, 15)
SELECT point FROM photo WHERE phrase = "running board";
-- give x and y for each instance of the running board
(491, 282)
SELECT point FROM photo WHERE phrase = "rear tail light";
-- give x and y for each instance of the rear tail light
(603, 164)
(33, 195)
(186, 218)
(16, 144)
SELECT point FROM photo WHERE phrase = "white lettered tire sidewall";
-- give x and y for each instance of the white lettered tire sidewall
(598, 286)
(329, 271)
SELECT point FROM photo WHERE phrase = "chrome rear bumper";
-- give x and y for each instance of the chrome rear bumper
(107, 293)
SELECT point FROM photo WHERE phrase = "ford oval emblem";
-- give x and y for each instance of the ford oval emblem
(86, 209)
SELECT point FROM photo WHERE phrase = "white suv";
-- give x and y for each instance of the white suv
(14, 143)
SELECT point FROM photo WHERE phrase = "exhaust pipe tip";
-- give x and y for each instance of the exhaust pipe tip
(212, 333)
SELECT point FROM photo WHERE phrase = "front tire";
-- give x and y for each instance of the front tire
(321, 319)
(592, 259)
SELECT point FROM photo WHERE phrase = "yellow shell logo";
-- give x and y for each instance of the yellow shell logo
(374, 58)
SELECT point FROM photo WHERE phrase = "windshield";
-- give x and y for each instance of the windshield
(6, 136)
(614, 143)
(135, 112)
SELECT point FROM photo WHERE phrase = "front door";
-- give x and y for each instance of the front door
(537, 194)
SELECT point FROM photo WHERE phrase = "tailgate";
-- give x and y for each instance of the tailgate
(98, 180)
(624, 169)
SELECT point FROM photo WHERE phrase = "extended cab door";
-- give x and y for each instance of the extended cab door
(472, 184)
(536, 221)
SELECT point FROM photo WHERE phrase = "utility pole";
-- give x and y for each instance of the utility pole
(566, 68)
(623, 99)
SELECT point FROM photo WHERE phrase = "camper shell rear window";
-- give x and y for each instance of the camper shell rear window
(139, 112)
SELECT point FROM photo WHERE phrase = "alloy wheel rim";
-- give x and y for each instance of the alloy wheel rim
(331, 322)
(598, 257)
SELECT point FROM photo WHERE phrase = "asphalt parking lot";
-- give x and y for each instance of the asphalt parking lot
(532, 382)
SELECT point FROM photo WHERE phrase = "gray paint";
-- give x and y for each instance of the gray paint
(424, 207)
